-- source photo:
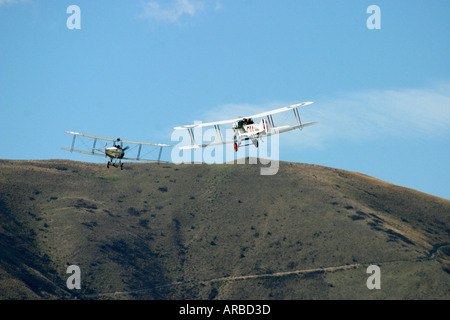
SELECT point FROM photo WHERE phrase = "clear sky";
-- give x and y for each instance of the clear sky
(136, 69)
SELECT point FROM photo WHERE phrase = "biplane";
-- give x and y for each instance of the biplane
(116, 152)
(246, 129)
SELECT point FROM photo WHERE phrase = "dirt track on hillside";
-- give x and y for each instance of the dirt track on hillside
(231, 278)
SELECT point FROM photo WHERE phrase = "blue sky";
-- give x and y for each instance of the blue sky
(136, 69)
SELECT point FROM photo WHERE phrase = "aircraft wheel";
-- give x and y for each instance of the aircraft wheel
(121, 166)
(108, 164)
(257, 143)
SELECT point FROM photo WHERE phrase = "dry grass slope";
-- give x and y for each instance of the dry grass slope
(166, 231)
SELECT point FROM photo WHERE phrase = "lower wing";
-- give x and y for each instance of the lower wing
(86, 152)
(196, 146)
(271, 132)
(104, 155)
(282, 129)
(144, 160)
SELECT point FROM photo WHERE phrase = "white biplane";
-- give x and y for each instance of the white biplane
(245, 128)
(116, 152)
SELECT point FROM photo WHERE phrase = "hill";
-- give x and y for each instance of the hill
(199, 231)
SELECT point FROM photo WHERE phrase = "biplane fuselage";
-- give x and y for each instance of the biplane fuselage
(247, 128)
(115, 152)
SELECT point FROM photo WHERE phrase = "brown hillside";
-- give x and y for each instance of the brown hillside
(166, 231)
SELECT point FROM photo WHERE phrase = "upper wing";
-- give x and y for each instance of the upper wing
(109, 139)
(190, 126)
(259, 115)
(263, 114)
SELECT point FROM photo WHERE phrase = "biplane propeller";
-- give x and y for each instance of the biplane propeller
(116, 152)
(246, 129)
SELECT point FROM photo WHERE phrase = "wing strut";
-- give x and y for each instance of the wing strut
(218, 132)
(93, 146)
(139, 151)
(73, 143)
(159, 156)
(297, 116)
(270, 120)
(191, 134)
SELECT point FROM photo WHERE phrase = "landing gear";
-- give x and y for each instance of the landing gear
(236, 143)
(115, 164)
